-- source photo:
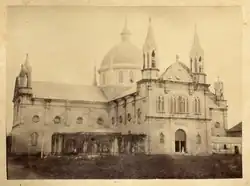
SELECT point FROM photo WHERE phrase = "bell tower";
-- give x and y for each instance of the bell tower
(150, 63)
(219, 93)
(197, 60)
(23, 86)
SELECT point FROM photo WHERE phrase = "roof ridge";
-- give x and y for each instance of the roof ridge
(62, 83)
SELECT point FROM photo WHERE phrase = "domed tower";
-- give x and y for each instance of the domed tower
(121, 66)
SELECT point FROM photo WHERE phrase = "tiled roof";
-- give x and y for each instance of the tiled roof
(67, 91)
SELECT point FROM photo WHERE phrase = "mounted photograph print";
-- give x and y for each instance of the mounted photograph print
(123, 92)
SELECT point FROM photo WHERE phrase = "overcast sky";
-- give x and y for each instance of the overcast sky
(64, 42)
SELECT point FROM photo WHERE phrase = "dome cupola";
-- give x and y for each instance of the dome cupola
(122, 64)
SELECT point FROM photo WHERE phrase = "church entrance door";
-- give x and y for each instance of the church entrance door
(180, 141)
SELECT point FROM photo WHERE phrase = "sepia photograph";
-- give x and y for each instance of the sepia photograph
(102, 92)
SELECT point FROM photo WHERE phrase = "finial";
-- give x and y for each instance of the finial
(177, 58)
(218, 78)
(22, 71)
(125, 32)
(27, 58)
(149, 20)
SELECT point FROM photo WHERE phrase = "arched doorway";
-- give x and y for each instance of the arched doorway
(180, 141)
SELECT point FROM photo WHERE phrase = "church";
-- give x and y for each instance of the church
(133, 109)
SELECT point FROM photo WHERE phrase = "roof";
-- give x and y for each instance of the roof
(67, 91)
(130, 91)
(236, 128)
(123, 53)
(177, 71)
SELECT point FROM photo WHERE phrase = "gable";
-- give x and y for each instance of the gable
(177, 72)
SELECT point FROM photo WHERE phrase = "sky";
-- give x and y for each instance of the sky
(64, 43)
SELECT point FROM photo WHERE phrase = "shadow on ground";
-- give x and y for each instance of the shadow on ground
(126, 167)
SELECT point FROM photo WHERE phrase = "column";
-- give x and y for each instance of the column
(146, 145)
(53, 144)
(67, 110)
(115, 146)
(46, 107)
(60, 144)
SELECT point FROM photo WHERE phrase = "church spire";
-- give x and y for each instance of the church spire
(149, 44)
(150, 68)
(125, 34)
(196, 55)
(196, 48)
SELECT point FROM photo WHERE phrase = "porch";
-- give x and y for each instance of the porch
(95, 143)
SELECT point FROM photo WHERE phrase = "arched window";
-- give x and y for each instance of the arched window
(144, 60)
(162, 138)
(34, 139)
(182, 104)
(120, 119)
(120, 77)
(129, 117)
(187, 106)
(139, 113)
(131, 76)
(197, 106)
(171, 105)
(174, 105)
(195, 65)
(198, 139)
(113, 120)
(147, 60)
(159, 104)
(153, 53)
(153, 59)
(162, 104)
(191, 63)
(179, 103)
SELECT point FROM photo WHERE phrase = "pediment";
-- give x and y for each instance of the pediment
(177, 72)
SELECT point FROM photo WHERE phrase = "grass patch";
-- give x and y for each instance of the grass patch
(135, 167)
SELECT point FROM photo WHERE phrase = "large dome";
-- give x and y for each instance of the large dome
(124, 54)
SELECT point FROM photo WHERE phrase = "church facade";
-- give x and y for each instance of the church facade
(133, 109)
